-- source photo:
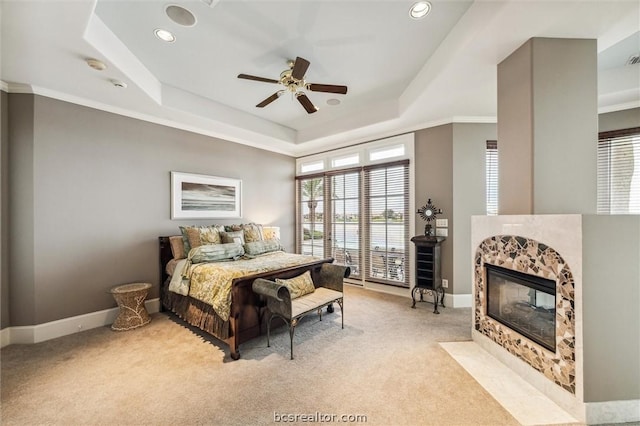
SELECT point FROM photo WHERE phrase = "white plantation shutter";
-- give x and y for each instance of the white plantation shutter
(619, 172)
(491, 164)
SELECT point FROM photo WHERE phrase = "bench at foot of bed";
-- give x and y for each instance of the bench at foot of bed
(328, 289)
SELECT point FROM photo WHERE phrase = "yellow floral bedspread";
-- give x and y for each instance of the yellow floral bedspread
(211, 282)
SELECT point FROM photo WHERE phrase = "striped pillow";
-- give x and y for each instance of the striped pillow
(216, 252)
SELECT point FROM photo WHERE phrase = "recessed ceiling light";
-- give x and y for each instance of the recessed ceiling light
(333, 101)
(420, 9)
(164, 35)
(180, 15)
(96, 64)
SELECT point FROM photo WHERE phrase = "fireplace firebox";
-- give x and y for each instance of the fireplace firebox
(525, 303)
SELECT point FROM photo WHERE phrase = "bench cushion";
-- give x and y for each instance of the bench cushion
(312, 301)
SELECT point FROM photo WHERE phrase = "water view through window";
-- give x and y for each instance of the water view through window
(358, 218)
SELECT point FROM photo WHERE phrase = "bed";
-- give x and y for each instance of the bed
(242, 319)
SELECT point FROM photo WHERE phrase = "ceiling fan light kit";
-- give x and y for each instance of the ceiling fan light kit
(294, 82)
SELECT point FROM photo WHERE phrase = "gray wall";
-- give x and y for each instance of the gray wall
(4, 212)
(619, 120)
(21, 235)
(565, 129)
(434, 179)
(91, 189)
(469, 195)
(547, 127)
(515, 132)
(611, 295)
(90, 194)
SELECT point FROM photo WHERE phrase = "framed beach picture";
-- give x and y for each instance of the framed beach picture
(205, 197)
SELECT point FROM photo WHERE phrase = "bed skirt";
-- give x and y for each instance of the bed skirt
(196, 313)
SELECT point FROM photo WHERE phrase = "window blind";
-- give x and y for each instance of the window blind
(619, 172)
(360, 217)
(386, 219)
(491, 174)
(345, 237)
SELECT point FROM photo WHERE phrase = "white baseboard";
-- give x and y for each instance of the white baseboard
(5, 337)
(450, 300)
(457, 300)
(63, 327)
(609, 412)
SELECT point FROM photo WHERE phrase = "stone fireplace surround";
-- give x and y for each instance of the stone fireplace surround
(612, 359)
(560, 377)
(530, 257)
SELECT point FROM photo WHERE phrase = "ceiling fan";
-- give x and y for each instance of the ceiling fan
(294, 82)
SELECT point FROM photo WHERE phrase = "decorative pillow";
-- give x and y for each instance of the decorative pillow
(252, 231)
(202, 235)
(195, 236)
(185, 238)
(298, 286)
(254, 248)
(233, 237)
(215, 252)
(177, 247)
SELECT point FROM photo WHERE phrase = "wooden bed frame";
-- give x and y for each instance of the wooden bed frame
(245, 320)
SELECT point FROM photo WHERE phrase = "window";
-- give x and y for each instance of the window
(386, 153)
(313, 166)
(383, 200)
(619, 172)
(491, 164)
(346, 235)
(358, 210)
(349, 160)
(386, 201)
(311, 216)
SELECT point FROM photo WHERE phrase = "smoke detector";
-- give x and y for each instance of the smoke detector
(119, 83)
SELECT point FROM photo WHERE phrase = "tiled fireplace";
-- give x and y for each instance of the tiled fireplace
(529, 307)
(546, 247)
(592, 261)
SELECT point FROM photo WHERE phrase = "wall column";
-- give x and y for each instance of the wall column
(548, 127)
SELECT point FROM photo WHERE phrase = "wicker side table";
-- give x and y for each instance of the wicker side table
(130, 299)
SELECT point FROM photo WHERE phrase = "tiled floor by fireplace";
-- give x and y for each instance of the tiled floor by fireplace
(527, 404)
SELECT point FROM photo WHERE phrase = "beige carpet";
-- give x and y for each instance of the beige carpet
(386, 365)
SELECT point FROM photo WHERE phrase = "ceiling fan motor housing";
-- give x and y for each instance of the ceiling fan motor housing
(291, 83)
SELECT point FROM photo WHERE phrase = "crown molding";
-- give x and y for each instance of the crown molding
(20, 88)
(619, 107)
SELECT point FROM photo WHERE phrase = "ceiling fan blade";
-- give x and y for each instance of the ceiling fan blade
(306, 103)
(329, 88)
(299, 68)
(253, 77)
(269, 99)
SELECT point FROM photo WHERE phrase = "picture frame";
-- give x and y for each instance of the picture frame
(195, 196)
